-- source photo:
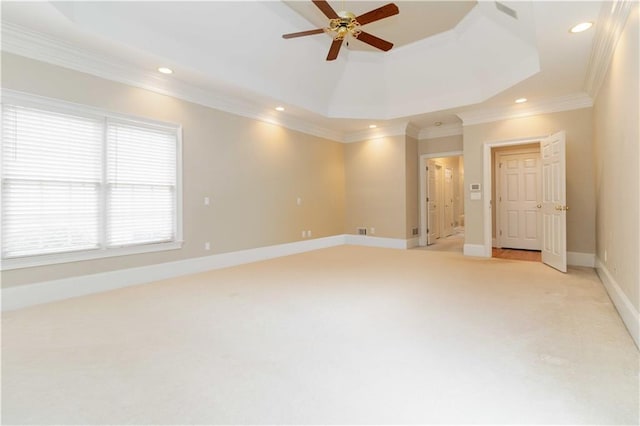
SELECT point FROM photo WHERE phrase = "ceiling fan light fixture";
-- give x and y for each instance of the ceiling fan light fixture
(372, 126)
(280, 108)
(165, 70)
(521, 100)
(583, 26)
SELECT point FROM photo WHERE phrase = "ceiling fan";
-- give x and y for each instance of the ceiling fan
(343, 24)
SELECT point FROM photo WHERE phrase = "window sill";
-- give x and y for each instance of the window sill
(57, 258)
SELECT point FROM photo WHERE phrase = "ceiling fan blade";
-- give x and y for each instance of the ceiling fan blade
(334, 49)
(326, 9)
(377, 14)
(303, 33)
(375, 41)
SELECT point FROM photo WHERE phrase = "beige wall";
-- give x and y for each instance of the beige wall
(617, 141)
(580, 173)
(376, 193)
(438, 145)
(253, 172)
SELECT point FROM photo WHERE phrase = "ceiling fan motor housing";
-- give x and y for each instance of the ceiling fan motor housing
(344, 25)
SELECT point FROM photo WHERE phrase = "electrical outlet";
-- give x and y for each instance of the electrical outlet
(372, 231)
(309, 233)
(299, 201)
(207, 245)
(361, 231)
(304, 234)
(207, 201)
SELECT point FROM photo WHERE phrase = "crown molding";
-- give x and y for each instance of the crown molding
(21, 41)
(545, 106)
(613, 16)
(413, 131)
(432, 132)
(379, 132)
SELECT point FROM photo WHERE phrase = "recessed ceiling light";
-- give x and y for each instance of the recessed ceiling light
(372, 126)
(521, 100)
(583, 26)
(279, 108)
(165, 70)
(438, 123)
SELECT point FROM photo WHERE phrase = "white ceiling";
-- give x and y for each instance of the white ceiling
(448, 58)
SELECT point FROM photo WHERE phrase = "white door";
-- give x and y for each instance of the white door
(448, 202)
(433, 216)
(554, 201)
(518, 198)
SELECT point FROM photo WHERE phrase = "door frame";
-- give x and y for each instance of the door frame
(422, 207)
(498, 241)
(487, 170)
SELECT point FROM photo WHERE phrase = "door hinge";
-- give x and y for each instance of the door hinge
(501, 232)
(500, 198)
(427, 230)
(499, 165)
(427, 199)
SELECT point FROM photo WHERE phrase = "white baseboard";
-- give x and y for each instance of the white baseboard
(413, 242)
(477, 250)
(369, 241)
(627, 311)
(581, 259)
(50, 291)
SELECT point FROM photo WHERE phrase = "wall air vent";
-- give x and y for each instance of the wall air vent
(362, 231)
(504, 9)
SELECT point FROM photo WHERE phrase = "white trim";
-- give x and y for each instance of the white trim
(49, 291)
(368, 241)
(476, 250)
(31, 44)
(544, 106)
(79, 256)
(413, 242)
(413, 131)
(14, 97)
(378, 132)
(486, 183)
(627, 311)
(422, 192)
(611, 21)
(432, 132)
(581, 259)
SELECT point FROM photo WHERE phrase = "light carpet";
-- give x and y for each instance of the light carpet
(345, 335)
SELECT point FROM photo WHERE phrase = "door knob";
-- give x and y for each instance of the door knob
(558, 207)
(539, 206)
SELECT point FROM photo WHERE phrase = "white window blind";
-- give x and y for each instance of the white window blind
(79, 183)
(141, 179)
(51, 177)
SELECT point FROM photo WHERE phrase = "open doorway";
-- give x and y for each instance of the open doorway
(516, 191)
(442, 202)
(551, 209)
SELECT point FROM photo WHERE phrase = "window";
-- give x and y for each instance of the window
(79, 183)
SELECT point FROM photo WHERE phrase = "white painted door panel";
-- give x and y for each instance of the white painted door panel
(520, 193)
(448, 202)
(554, 202)
(433, 218)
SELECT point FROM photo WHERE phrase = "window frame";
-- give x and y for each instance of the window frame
(23, 99)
